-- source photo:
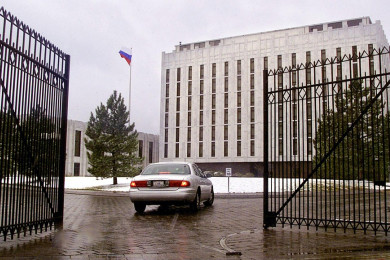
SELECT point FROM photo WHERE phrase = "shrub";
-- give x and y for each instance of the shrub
(248, 174)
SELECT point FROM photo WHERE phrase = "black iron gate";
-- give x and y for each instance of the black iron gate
(34, 96)
(327, 142)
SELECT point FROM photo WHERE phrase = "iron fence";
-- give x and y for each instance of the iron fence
(327, 143)
(34, 94)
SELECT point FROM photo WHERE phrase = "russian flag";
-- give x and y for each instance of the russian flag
(126, 54)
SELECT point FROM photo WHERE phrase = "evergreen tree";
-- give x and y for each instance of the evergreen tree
(8, 139)
(111, 142)
(364, 152)
(37, 145)
(29, 148)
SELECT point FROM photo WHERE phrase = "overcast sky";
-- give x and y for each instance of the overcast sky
(93, 32)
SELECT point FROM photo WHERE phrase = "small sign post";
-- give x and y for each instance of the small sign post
(228, 172)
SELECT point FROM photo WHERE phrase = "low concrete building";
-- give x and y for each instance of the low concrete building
(76, 152)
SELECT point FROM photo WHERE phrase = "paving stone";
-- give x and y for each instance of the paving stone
(106, 227)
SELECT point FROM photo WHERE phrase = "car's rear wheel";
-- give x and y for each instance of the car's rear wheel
(210, 201)
(139, 207)
(195, 204)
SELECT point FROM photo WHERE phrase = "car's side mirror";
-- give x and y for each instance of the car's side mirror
(208, 175)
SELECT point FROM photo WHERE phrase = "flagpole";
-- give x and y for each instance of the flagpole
(130, 90)
(130, 95)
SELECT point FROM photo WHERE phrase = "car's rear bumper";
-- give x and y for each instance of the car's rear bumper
(179, 196)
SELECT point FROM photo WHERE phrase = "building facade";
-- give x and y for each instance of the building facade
(212, 91)
(76, 152)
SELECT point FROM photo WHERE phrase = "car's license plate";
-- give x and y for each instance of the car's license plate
(159, 184)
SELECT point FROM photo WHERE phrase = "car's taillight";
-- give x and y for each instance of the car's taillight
(185, 184)
(135, 184)
(173, 183)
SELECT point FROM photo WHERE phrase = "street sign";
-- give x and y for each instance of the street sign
(228, 172)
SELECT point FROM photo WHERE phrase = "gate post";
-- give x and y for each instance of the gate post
(269, 218)
(64, 121)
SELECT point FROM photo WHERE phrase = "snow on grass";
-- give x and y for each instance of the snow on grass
(82, 183)
(236, 185)
(228, 185)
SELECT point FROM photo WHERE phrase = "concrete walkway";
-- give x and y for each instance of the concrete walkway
(104, 225)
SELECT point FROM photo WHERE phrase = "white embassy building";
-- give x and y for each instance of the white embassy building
(212, 91)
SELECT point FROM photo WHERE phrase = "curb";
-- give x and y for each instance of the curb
(97, 193)
(126, 194)
(239, 195)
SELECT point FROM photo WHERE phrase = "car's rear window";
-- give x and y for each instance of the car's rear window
(166, 169)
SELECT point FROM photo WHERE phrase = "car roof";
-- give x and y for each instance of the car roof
(187, 163)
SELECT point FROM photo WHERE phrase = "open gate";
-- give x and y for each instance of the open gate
(34, 78)
(327, 142)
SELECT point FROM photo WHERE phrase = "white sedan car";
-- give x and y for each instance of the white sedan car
(171, 183)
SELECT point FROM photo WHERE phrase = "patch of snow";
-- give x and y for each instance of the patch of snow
(221, 184)
(228, 185)
(237, 185)
(77, 183)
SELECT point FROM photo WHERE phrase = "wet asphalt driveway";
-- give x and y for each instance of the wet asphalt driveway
(105, 226)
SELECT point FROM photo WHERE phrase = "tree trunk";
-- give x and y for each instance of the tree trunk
(115, 179)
